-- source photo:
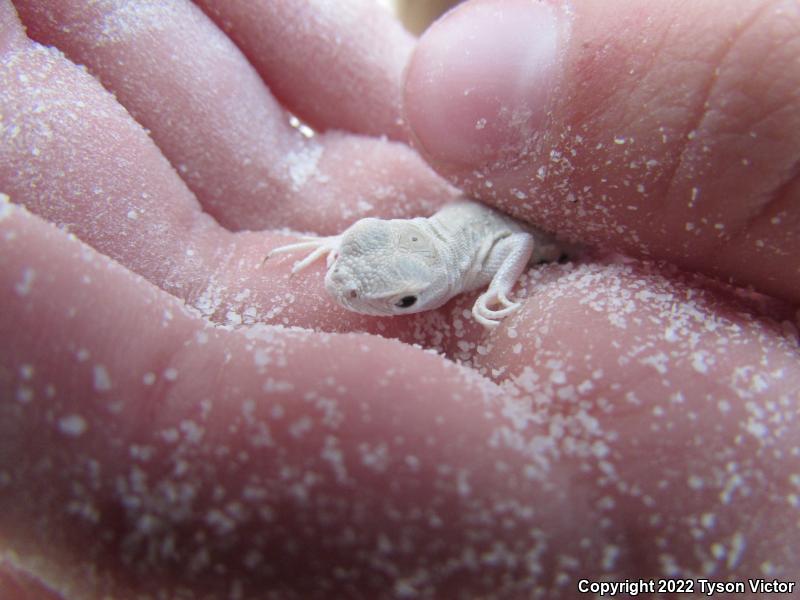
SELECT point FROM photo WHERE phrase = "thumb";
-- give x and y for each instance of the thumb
(665, 129)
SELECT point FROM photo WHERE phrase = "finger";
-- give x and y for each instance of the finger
(80, 162)
(695, 398)
(73, 155)
(212, 117)
(146, 452)
(306, 50)
(669, 131)
(168, 439)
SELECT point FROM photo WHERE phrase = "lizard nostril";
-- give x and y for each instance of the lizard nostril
(352, 293)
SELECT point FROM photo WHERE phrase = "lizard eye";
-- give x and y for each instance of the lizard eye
(406, 301)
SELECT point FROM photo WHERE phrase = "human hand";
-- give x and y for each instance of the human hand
(264, 459)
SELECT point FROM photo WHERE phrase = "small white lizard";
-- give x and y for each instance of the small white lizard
(401, 266)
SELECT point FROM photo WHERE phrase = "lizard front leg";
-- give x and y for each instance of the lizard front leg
(318, 246)
(511, 255)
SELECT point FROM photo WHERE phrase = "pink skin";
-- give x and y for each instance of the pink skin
(174, 70)
(662, 131)
(630, 421)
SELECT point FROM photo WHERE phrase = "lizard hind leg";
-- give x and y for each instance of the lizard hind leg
(513, 254)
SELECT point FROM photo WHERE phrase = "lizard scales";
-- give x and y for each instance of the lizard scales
(401, 266)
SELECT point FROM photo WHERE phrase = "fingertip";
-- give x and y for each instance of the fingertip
(479, 84)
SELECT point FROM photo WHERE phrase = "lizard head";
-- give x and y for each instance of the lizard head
(387, 268)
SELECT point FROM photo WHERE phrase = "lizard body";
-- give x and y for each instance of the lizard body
(401, 266)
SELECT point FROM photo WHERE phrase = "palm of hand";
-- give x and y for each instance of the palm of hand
(623, 394)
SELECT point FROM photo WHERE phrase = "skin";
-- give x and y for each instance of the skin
(631, 419)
